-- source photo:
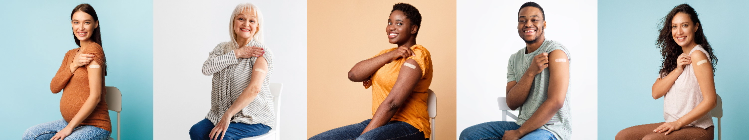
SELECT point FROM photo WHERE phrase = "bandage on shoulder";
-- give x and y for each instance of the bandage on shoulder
(94, 66)
(409, 65)
(260, 70)
(701, 62)
(560, 60)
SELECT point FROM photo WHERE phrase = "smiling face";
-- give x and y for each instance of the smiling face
(531, 24)
(399, 29)
(83, 25)
(683, 29)
(245, 24)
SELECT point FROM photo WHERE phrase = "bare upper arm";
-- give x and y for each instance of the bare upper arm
(409, 75)
(703, 70)
(559, 75)
(95, 79)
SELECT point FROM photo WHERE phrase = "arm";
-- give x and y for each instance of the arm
(364, 69)
(703, 70)
(559, 78)
(95, 85)
(217, 60)
(517, 92)
(662, 85)
(64, 73)
(407, 79)
(259, 71)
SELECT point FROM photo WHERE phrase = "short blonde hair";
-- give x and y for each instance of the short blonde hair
(258, 36)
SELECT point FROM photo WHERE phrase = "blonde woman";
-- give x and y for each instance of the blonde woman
(241, 102)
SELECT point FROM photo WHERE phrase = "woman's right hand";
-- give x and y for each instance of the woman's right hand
(683, 61)
(401, 52)
(82, 59)
(247, 52)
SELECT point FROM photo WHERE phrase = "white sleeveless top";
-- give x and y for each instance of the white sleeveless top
(685, 95)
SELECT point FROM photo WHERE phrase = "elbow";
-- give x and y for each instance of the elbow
(556, 105)
(392, 106)
(353, 77)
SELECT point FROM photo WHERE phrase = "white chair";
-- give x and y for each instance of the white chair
(432, 108)
(718, 112)
(505, 109)
(273, 134)
(114, 101)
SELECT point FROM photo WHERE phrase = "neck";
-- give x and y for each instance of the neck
(242, 41)
(688, 48)
(531, 47)
(84, 43)
(409, 43)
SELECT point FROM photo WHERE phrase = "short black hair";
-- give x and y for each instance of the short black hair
(411, 13)
(533, 4)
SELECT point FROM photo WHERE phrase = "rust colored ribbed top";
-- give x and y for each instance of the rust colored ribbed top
(76, 89)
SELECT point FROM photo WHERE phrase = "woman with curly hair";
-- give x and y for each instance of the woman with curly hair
(686, 81)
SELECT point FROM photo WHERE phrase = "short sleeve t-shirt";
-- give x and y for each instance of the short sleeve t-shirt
(414, 110)
(516, 67)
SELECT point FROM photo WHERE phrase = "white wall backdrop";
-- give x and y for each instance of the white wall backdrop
(185, 31)
(487, 36)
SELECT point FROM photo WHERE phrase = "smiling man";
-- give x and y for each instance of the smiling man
(537, 84)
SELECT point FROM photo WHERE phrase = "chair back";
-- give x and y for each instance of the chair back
(275, 90)
(114, 99)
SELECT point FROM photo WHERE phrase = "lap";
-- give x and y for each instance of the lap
(202, 129)
(393, 130)
(645, 132)
(496, 129)
(49, 129)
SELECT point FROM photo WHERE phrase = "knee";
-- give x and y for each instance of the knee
(199, 131)
(30, 133)
(470, 133)
(624, 135)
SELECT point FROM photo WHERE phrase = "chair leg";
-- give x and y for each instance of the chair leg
(719, 129)
(118, 125)
(504, 115)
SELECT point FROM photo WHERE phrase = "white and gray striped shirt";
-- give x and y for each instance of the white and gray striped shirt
(230, 77)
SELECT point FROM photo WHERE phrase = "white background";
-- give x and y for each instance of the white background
(487, 36)
(184, 33)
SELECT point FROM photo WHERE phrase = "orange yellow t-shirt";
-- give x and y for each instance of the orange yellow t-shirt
(414, 110)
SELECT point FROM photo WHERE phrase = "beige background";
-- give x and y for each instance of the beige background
(341, 33)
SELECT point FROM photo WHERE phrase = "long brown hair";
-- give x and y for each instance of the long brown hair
(670, 51)
(96, 36)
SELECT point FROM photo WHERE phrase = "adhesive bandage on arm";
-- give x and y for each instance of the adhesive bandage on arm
(261, 71)
(560, 60)
(701, 62)
(94, 66)
(409, 65)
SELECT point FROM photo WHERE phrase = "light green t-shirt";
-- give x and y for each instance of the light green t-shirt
(516, 67)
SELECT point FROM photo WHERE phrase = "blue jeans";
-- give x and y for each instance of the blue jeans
(495, 130)
(236, 131)
(395, 130)
(47, 130)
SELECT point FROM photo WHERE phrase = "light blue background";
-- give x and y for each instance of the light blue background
(36, 35)
(628, 62)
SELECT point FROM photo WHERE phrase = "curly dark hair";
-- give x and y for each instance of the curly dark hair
(533, 4)
(670, 51)
(411, 13)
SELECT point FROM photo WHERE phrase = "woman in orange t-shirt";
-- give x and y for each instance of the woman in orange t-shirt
(400, 79)
(81, 75)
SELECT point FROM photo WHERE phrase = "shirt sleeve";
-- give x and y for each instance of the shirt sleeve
(423, 58)
(510, 71)
(63, 75)
(218, 60)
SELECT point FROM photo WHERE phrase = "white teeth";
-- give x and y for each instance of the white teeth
(392, 34)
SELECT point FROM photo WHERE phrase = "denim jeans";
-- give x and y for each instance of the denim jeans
(46, 131)
(395, 130)
(495, 130)
(236, 131)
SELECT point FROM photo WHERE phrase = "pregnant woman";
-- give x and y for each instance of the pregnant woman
(685, 82)
(241, 102)
(400, 78)
(81, 78)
